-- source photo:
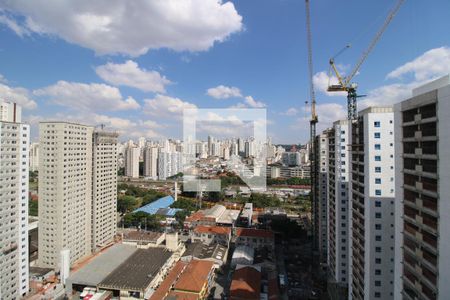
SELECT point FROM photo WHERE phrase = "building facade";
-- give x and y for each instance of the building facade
(132, 162)
(34, 157)
(423, 176)
(65, 192)
(373, 205)
(104, 188)
(151, 162)
(338, 204)
(14, 160)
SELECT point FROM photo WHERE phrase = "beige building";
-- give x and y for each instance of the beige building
(132, 162)
(77, 192)
(104, 188)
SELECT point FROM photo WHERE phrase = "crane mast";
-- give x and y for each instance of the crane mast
(312, 126)
(344, 83)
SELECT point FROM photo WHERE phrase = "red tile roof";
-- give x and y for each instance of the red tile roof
(166, 285)
(250, 232)
(246, 284)
(213, 230)
(194, 276)
(183, 296)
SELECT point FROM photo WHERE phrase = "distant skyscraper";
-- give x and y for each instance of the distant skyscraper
(372, 212)
(14, 160)
(132, 162)
(151, 162)
(422, 129)
(34, 157)
(104, 188)
(65, 192)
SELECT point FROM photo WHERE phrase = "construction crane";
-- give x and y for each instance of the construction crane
(312, 126)
(344, 83)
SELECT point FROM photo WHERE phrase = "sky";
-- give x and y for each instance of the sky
(136, 65)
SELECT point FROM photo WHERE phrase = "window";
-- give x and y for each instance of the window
(376, 124)
(377, 272)
(377, 283)
(377, 180)
(378, 215)
(378, 261)
(378, 192)
(377, 135)
(378, 238)
(377, 157)
(377, 147)
(377, 169)
(378, 249)
(378, 226)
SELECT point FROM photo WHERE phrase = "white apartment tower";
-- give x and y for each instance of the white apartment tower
(338, 204)
(151, 162)
(422, 128)
(321, 209)
(65, 191)
(373, 205)
(104, 188)
(132, 161)
(14, 160)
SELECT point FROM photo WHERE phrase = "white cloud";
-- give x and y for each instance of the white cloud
(431, 64)
(87, 97)
(17, 94)
(292, 111)
(13, 25)
(322, 80)
(253, 103)
(224, 92)
(129, 74)
(128, 27)
(166, 106)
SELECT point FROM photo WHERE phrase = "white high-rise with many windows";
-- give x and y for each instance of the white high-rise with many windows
(338, 204)
(132, 161)
(372, 189)
(34, 157)
(104, 188)
(14, 160)
(65, 192)
(151, 162)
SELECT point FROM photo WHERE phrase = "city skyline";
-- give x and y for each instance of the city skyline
(139, 85)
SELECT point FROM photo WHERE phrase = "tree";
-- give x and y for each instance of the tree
(32, 208)
(126, 203)
(180, 216)
(262, 200)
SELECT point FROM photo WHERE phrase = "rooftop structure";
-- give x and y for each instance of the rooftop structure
(216, 252)
(100, 267)
(153, 207)
(138, 271)
(143, 238)
(246, 284)
(195, 278)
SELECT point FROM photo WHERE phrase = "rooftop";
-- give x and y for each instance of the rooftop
(154, 206)
(142, 236)
(201, 251)
(166, 285)
(246, 284)
(213, 230)
(195, 276)
(102, 265)
(250, 232)
(138, 271)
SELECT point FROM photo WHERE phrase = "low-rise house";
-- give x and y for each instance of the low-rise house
(143, 239)
(216, 253)
(243, 255)
(212, 234)
(246, 284)
(255, 238)
(195, 281)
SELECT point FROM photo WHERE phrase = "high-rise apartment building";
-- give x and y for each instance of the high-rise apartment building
(321, 209)
(132, 161)
(151, 162)
(104, 188)
(372, 205)
(34, 157)
(338, 205)
(65, 191)
(14, 160)
(422, 127)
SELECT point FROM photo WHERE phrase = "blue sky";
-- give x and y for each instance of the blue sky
(135, 65)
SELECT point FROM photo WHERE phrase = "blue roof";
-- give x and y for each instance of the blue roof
(153, 207)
